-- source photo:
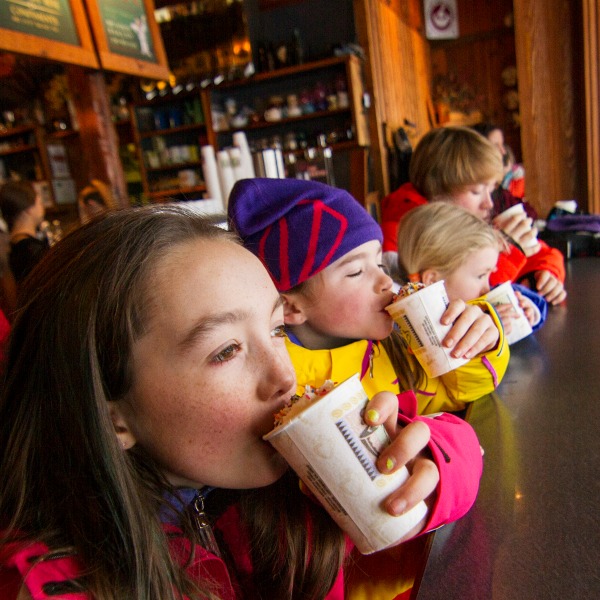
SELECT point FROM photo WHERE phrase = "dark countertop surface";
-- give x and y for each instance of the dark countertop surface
(534, 532)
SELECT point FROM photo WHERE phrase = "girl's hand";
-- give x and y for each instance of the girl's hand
(507, 314)
(408, 448)
(472, 332)
(549, 287)
(528, 308)
(520, 228)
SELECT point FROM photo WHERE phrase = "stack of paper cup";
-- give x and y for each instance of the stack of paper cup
(418, 317)
(247, 165)
(226, 174)
(504, 294)
(210, 172)
(235, 156)
(334, 453)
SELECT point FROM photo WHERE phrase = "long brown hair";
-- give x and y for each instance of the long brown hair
(63, 478)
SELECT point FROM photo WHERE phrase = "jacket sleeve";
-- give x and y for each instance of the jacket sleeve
(509, 266)
(514, 266)
(547, 259)
(456, 452)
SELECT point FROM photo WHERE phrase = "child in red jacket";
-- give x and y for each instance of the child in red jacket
(459, 165)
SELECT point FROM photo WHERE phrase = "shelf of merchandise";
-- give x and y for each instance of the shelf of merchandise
(254, 95)
(24, 140)
(168, 133)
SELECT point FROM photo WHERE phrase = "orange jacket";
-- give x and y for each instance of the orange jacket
(512, 265)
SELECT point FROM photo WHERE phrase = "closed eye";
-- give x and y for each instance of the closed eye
(355, 274)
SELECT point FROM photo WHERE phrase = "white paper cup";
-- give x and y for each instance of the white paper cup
(418, 316)
(504, 216)
(334, 452)
(504, 294)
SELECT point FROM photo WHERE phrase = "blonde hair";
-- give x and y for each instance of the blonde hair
(440, 236)
(449, 158)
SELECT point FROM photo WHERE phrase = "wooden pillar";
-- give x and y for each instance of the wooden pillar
(547, 71)
(591, 50)
(96, 130)
(396, 75)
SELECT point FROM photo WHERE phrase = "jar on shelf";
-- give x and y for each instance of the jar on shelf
(306, 102)
(275, 109)
(293, 106)
(341, 90)
(320, 96)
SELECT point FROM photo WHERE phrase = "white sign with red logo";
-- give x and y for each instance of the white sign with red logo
(441, 19)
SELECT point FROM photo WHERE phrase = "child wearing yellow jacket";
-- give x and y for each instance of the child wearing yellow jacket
(323, 252)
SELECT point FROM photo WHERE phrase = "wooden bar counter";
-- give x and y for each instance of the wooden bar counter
(534, 532)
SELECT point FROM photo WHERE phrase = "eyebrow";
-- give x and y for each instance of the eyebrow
(207, 324)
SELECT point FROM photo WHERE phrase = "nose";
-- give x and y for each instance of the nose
(384, 282)
(487, 199)
(278, 381)
(485, 288)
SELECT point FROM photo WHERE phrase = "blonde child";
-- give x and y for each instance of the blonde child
(440, 241)
(458, 165)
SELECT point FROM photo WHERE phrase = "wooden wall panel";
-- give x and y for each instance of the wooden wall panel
(544, 33)
(591, 43)
(396, 74)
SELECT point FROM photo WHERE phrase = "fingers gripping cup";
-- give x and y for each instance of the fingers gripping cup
(504, 294)
(417, 311)
(332, 450)
(504, 216)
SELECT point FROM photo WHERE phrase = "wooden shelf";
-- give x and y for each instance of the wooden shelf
(269, 124)
(62, 133)
(13, 131)
(285, 72)
(18, 149)
(177, 192)
(172, 130)
(174, 167)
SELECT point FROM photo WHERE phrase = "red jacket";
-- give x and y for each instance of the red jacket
(512, 265)
(393, 207)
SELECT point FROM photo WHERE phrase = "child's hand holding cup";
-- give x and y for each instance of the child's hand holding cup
(515, 223)
(326, 441)
(418, 315)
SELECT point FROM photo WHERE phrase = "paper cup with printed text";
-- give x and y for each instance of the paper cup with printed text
(334, 453)
(418, 317)
(505, 294)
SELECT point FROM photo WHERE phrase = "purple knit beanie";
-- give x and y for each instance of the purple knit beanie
(296, 227)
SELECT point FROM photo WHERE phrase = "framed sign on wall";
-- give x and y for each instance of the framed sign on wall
(52, 29)
(127, 37)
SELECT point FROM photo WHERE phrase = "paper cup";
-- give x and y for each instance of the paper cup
(503, 217)
(418, 316)
(504, 294)
(334, 452)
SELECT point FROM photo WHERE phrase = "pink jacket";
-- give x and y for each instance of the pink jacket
(454, 447)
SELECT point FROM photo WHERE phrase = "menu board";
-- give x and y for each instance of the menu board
(127, 37)
(54, 29)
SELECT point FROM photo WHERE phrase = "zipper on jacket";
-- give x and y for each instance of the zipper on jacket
(206, 537)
